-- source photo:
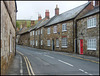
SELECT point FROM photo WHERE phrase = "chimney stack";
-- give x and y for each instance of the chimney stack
(39, 17)
(97, 3)
(56, 10)
(47, 14)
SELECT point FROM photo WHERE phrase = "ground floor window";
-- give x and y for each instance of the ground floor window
(48, 42)
(57, 42)
(41, 42)
(64, 42)
(36, 42)
(91, 44)
(33, 42)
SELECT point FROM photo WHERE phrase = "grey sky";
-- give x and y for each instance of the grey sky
(30, 9)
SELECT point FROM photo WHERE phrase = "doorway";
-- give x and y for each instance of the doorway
(81, 46)
(52, 44)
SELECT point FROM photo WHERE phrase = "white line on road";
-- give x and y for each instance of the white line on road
(84, 72)
(66, 63)
(49, 56)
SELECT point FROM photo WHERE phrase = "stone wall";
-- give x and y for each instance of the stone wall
(8, 23)
(24, 39)
(88, 33)
(53, 36)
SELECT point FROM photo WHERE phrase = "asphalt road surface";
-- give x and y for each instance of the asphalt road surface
(45, 62)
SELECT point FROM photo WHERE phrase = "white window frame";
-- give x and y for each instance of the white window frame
(91, 22)
(33, 32)
(55, 29)
(36, 43)
(64, 42)
(41, 42)
(48, 42)
(41, 30)
(36, 32)
(48, 31)
(91, 44)
(64, 27)
(33, 42)
(57, 42)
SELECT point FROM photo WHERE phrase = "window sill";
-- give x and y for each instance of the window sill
(64, 46)
(91, 27)
(54, 32)
(48, 45)
(91, 48)
(57, 46)
(64, 30)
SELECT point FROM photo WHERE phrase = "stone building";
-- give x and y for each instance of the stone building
(60, 31)
(36, 33)
(8, 33)
(88, 32)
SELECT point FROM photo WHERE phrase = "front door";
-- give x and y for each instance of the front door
(53, 44)
(81, 46)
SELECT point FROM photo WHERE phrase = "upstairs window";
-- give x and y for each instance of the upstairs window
(91, 44)
(55, 29)
(64, 42)
(48, 31)
(64, 27)
(36, 32)
(91, 22)
(41, 31)
(57, 42)
(30, 33)
(33, 32)
(48, 42)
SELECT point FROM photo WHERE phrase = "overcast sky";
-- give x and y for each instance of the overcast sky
(30, 9)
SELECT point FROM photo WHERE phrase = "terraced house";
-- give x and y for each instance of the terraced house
(37, 39)
(88, 32)
(8, 34)
(60, 31)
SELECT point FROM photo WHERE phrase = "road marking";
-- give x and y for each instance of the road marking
(30, 66)
(80, 58)
(66, 63)
(27, 64)
(84, 72)
(49, 56)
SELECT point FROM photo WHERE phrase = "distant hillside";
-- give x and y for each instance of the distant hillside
(28, 22)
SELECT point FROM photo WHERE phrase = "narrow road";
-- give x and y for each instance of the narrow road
(51, 63)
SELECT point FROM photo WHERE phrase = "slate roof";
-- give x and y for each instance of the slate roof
(68, 14)
(95, 10)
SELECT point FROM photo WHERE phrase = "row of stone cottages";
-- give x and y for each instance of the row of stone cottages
(74, 31)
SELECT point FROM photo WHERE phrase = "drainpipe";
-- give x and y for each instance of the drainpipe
(76, 35)
(73, 35)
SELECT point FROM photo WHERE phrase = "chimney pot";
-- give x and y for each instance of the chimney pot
(56, 10)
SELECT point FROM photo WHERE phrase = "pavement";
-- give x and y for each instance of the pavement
(18, 66)
(45, 62)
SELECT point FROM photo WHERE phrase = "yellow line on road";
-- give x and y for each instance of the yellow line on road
(30, 66)
(27, 62)
(80, 58)
(27, 66)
